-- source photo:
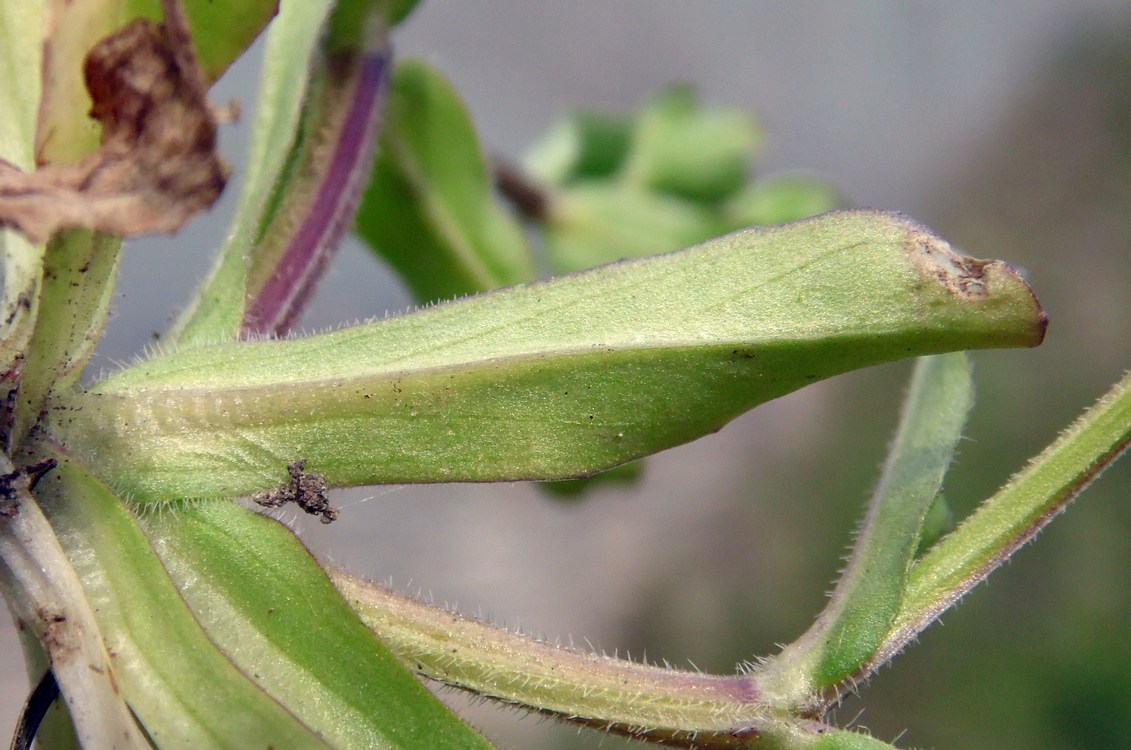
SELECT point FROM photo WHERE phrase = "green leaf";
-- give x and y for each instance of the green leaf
(868, 595)
(21, 39)
(550, 380)
(601, 222)
(221, 32)
(1015, 514)
(270, 608)
(583, 146)
(183, 690)
(399, 10)
(429, 209)
(216, 312)
(79, 272)
(618, 476)
(683, 149)
(781, 200)
(314, 121)
(21, 35)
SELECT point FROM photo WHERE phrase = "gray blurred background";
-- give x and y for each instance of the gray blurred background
(1006, 127)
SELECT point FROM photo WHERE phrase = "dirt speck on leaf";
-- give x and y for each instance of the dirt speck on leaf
(157, 165)
(307, 489)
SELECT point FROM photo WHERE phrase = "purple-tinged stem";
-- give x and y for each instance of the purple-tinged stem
(337, 164)
(661, 705)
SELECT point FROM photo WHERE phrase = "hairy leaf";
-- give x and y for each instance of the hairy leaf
(867, 598)
(181, 688)
(549, 380)
(270, 608)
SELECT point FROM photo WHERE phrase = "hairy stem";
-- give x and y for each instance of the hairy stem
(44, 594)
(1011, 517)
(333, 154)
(661, 705)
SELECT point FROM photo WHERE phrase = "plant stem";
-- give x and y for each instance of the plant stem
(44, 593)
(527, 196)
(665, 706)
(1011, 517)
(869, 593)
(329, 168)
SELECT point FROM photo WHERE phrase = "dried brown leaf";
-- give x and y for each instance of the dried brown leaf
(157, 165)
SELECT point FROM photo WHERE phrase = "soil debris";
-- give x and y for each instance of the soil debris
(307, 489)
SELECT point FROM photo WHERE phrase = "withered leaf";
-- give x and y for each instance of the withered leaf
(157, 165)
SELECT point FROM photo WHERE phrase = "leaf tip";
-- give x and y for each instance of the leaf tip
(997, 285)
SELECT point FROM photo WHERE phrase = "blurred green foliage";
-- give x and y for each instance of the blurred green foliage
(674, 174)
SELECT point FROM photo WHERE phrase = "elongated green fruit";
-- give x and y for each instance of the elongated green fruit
(549, 380)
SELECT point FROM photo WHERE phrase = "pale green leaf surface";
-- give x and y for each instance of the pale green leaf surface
(267, 604)
(185, 692)
(868, 595)
(605, 221)
(217, 311)
(781, 199)
(21, 37)
(681, 148)
(429, 209)
(21, 40)
(554, 379)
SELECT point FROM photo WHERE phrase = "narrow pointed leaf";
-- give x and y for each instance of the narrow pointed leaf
(1015, 514)
(317, 193)
(183, 690)
(264, 601)
(550, 380)
(217, 310)
(429, 209)
(867, 598)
